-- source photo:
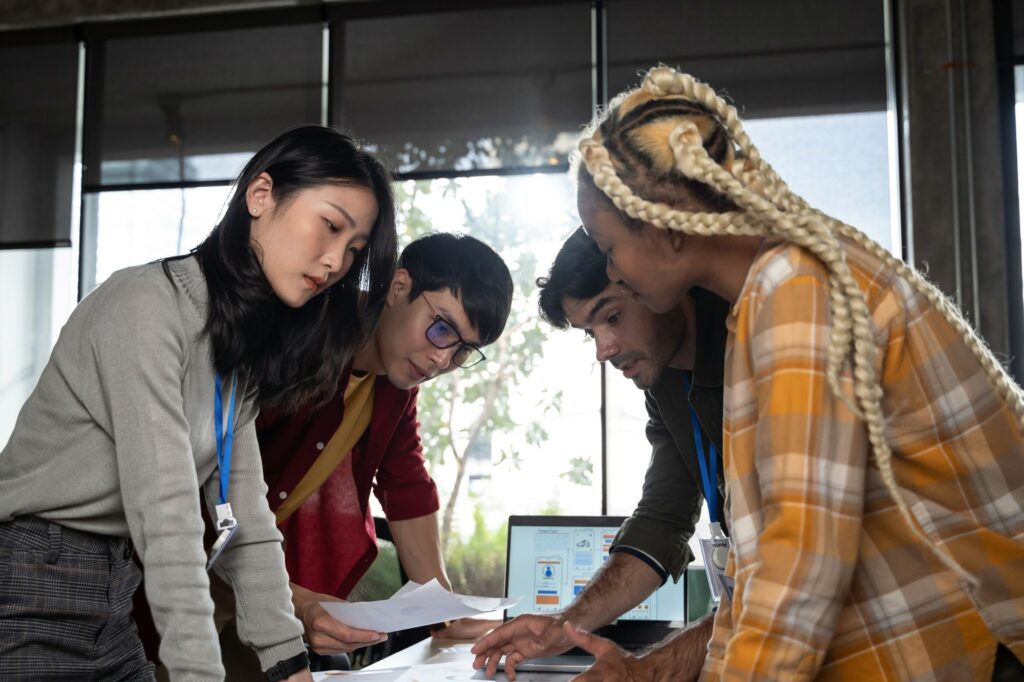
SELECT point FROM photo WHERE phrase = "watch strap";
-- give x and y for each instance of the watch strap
(282, 670)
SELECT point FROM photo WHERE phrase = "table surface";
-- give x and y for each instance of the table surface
(448, 660)
(420, 652)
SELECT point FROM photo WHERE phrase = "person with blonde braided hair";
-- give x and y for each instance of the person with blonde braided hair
(873, 446)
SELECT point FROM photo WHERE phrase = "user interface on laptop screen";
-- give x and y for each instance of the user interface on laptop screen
(551, 559)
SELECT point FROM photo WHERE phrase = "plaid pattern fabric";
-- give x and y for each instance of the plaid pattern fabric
(830, 582)
(65, 605)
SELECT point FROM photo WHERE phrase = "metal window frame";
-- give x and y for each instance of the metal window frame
(1006, 63)
(332, 15)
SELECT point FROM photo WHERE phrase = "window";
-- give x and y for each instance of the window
(132, 227)
(498, 96)
(497, 88)
(37, 192)
(45, 282)
(810, 82)
(1018, 110)
(476, 110)
(37, 143)
(194, 106)
(520, 433)
(161, 151)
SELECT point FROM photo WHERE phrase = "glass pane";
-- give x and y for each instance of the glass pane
(629, 451)
(195, 106)
(856, 191)
(48, 285)
(804, 151)
(1017, 10)
(783, 58)
(37, 142)
(810, 82)
(135, 227)
(1018, 77)
(521, 433)
(496, 88)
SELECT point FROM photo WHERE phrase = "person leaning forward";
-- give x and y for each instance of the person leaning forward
(874, 445)
(123, 436)
(677, 359)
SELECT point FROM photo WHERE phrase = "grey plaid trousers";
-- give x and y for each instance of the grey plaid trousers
(65, 605)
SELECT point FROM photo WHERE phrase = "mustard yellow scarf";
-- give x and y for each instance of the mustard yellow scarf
(358, 409)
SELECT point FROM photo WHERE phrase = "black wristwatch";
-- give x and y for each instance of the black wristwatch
(288, 667)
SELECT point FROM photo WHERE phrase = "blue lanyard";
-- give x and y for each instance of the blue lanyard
(224, 440)
(710, 491)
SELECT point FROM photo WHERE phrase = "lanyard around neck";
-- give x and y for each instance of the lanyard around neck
(225, 433)
(703, 457)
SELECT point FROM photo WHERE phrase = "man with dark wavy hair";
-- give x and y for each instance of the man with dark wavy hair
(678, 364)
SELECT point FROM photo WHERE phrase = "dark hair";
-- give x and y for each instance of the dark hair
(296, 355)
(579, 272)
(470, 269)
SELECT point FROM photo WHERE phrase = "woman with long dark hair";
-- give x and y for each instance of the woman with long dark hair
(150, 394)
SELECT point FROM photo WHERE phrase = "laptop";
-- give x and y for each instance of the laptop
(550, 559)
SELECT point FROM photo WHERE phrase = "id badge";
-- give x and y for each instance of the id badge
(226, 528)
(715, 552)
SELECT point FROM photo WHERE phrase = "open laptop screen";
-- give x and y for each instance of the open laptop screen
(551, 559)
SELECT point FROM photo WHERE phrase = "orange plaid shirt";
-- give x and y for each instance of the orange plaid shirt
(830, 582)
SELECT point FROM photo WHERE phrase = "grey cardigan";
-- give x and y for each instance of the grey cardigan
(116, 439)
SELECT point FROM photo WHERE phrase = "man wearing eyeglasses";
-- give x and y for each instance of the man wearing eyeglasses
(449, 297)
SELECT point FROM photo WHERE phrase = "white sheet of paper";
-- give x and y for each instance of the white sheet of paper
(414, 606)
(387, 675)
(409, 586)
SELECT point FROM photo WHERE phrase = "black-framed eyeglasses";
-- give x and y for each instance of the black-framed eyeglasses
(443, 335)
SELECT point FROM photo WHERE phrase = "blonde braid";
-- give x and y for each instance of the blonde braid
(846, 298)
(663, 81)
(599, 166)
(1007, 388)
(803, 229)
(775, 210)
